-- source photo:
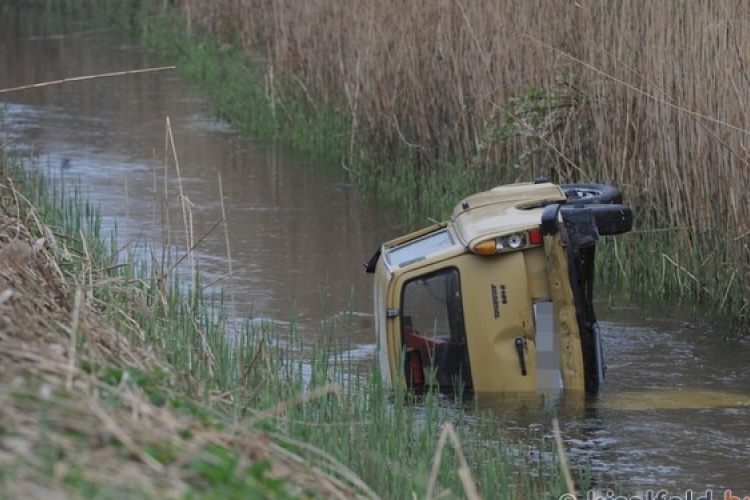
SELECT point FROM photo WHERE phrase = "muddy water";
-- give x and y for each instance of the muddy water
(297, 235)
(674, 412)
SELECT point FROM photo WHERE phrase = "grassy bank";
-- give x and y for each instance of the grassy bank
(429, 102)
(120, 379)
(114, 382)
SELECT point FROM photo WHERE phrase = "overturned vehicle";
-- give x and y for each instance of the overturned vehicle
(499, 297)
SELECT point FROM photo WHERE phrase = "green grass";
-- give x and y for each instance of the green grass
(518, 137)
(427, 164)
(243, 95)
(229, 380)
(386, 437)
(239, 89)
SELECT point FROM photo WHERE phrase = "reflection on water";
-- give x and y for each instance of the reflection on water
(673, 413)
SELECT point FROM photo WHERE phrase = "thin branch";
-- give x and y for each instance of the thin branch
(563, 460)
(87, 77)
(644, 93)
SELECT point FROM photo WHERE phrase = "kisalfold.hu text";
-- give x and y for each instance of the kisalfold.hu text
(657, 495)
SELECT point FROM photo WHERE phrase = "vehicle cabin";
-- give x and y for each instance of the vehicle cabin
(499, 297)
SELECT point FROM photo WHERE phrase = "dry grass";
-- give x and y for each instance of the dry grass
(650, 96)
(67, 429)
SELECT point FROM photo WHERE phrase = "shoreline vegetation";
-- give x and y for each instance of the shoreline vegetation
(110, 372)
(119, 380)
(421, 104)
(122, 378)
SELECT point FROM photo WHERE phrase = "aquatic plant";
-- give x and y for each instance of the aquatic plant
(128, 352)
(641, 95)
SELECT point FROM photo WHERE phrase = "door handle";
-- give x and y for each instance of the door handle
(520, 347)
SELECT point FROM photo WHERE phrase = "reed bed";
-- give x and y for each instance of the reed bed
(649, 96)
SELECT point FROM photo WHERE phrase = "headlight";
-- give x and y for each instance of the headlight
(515, 241)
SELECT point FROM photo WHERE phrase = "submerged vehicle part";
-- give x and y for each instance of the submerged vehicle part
(500, 296)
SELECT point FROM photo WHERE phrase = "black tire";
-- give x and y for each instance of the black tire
(612, 219)
(591, 194)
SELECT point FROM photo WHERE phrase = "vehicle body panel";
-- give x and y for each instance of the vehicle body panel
(497, 320)
(496, 299)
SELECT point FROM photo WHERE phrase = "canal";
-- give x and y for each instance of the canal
(674, 412)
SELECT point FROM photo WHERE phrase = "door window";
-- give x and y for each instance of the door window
(432, 306)
(433, 329)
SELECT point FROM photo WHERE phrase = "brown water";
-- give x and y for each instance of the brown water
(298, 235)
(673, 414)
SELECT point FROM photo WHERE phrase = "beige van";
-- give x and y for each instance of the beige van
(499, 297)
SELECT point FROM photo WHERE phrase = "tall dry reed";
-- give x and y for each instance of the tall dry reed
(650, 96)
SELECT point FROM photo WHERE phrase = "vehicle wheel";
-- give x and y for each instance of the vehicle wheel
(612, 219)
(589, 194)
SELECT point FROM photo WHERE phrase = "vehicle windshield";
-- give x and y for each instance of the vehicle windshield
(419, 249)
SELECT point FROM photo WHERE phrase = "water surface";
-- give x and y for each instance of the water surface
(674, 411)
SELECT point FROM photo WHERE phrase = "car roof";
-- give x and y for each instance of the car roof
(502, 210)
